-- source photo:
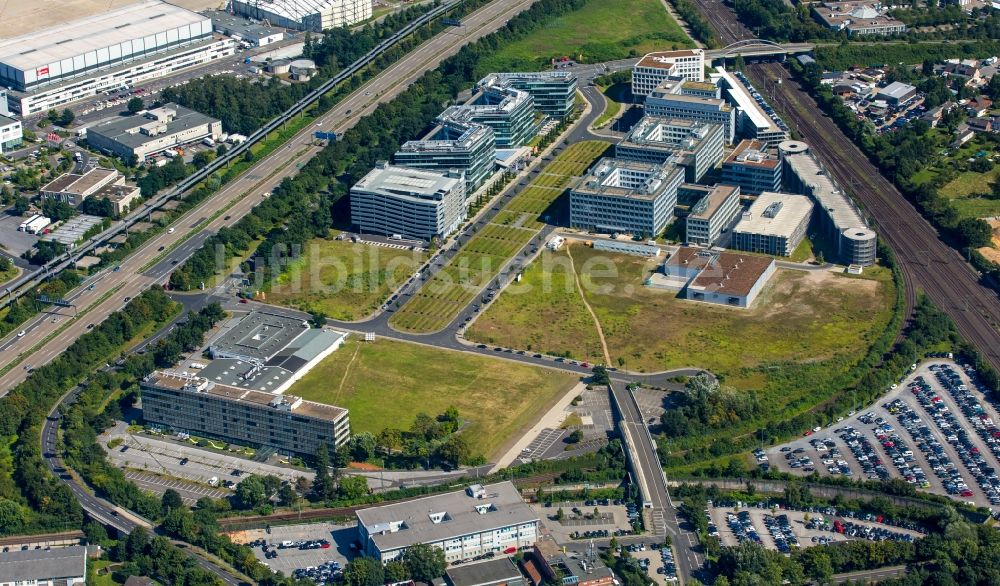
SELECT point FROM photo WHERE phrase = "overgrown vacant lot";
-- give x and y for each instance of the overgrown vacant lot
(386, 383)
(600, 31)
(343, 280)
(816, 318)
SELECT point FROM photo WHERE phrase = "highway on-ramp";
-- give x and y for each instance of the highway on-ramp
(106, 292)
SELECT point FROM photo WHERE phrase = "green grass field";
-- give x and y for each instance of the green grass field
(965, 187)
(650, 330)
(386, 383)
(343, 280)
(600, 31)
(480, 260)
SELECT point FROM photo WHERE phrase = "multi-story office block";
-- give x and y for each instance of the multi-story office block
(756, 119)
(696, 146)
(509, 112)
(11, 133)
(490, 519)
(626, 196)
(752, 168)
(775, 224)
(670, 99)
(454, 144)
(712, 215)
(410, 202)
(654, 68)
(188, 403)
(554, 92)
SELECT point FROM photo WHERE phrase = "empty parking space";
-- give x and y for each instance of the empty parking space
(189, 491)
(316, 548)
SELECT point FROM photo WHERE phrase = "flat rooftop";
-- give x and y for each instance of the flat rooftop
(277, 370)
(828, 196)
(72, 39)
(673, 134)
(30, 565)
(775, 214)
(175, 118)
(22, 17)
(725, 273)
(184, 382)
(394, 180)
(259, 335)
(665, 59)
(708, 205)
(76, 183)
(752, 153)
(456, 513)
(490, 572)
(627, 179)
(739, 94)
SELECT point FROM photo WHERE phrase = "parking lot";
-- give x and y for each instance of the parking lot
(657, 562)
(298, 547)
(785, 530)
(14, 242)
(190, 492)
(583, 520)
(935, 429)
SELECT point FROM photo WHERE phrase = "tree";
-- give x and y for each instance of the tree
(21, 205)
(66, 118)
(352, 487)
(560, 514)
(324, 486)
(389, 439)
(203, 158)
(170, 500)
(251, 492)
(11, 517)
(395, 571)
(364, 571)
(575, 437)
(600, 375)
(135, 104)
(974, 232)
(425, 562)
(287, 497)
(455, 450)
(363, 446)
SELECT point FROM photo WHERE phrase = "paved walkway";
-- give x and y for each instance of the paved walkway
(553, 418)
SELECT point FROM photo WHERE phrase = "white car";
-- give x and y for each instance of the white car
(21, 334)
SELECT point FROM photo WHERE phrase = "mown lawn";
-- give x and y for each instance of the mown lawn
(386, 383)
(600, 31)
(343, 280)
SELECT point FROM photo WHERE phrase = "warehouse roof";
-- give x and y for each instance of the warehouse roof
(725, 273)
(79, 183)
(498, 571)
(897, 90)
(293, 9)
(775, 214)
(442, 516)
(73, 39)
(43, 564)
(166, 120)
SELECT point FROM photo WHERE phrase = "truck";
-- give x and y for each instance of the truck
(24, 225)
(169, 153)
(207, 141)
(37, 225)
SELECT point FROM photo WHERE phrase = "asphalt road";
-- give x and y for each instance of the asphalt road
(110, 288)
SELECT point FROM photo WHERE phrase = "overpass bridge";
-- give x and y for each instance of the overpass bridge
(757, 49)
(649, 478)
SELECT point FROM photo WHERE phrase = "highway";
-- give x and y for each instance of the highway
(105, 292)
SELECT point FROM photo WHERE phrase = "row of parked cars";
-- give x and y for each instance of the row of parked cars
(668, 567)
(864, 452)
(982, 423)
(858, 531)
(781, 532)
(831, 456)
(322, 574)
(742, 527)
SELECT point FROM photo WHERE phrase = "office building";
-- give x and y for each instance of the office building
(752, 168)
(508, 111)
(838, 216)
(58, 566)
(712, 215)
(858, 18)
(413, 203)
(696, 146)
(688, 101)
(11, 134)
(626, 197)
(755, 118)
(497, 572)
(109, 51)
(305, 15)
(122, 197)
(723, 278)
(73, 188)
(896, 93)
(654, 68)
(775, 224)
(453, 145)
(134, 138)
(554, 92)
(183, 402)
(584, 569)
(465, 524)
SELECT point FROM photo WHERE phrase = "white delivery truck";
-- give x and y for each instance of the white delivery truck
(37, 225)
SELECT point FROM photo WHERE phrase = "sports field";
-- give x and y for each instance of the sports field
(600, 31)
(440, 299)
(386, 383)
(833, 317)
(343, 280)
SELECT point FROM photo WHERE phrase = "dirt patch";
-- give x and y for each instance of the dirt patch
(363, 466)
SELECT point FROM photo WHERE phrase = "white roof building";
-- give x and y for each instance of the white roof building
(309, 15)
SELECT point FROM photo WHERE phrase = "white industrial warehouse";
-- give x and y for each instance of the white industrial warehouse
(75, 60)
(306, 15)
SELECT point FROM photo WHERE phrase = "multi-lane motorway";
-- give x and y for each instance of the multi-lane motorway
(150, 264)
